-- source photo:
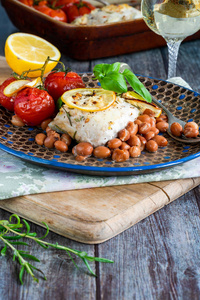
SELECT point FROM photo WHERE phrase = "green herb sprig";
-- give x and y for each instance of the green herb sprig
(112, 79)
(11, 233)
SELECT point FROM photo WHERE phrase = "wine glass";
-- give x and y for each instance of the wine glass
(174, 20)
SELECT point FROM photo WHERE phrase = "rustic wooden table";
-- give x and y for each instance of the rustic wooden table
(156, 259)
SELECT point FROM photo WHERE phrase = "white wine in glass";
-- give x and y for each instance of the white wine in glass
(174, 20)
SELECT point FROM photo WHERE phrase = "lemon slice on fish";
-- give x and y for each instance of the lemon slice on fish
(89, 99)
(136, 100)
(18, 85)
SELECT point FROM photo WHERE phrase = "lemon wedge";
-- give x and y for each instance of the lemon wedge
(18, 85)
(89, 99)
(27, 51)
(136, 100)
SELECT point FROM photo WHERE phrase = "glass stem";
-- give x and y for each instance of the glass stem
(173, 48)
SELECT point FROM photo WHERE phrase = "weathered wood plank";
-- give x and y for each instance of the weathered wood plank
(157, 258)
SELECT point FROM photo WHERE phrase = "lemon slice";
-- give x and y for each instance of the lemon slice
(139, 102)
(89, 99)
(18, 85)
(26, 51)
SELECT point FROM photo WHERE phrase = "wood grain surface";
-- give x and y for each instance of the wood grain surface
(98, 214)
(156, 259)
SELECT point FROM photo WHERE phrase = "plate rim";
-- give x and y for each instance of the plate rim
(64, 166)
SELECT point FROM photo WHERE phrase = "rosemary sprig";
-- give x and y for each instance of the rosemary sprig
(11, 233)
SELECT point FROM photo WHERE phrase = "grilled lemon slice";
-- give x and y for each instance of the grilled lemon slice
(88, 99)
(140, 103)
(18, 85)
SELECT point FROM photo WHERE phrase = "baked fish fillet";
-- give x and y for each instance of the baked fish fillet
(95, 127)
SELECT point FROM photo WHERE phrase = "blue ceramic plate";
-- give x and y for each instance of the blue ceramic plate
(182, 102)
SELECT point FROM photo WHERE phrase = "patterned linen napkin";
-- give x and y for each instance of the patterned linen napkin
(18, 177)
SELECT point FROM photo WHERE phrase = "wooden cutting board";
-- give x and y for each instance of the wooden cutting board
(98, 214)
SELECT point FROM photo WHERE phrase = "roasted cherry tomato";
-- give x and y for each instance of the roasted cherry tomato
(33, 106)
(56, 14)
(61, 3)
(56, 83)
(77, 9)
(7, 102)
(27, 2)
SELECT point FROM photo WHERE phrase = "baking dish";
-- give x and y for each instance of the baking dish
(85, 42)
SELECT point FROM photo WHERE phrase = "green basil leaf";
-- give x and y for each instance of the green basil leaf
(98, 71)
(113, 68)
(137, 85)
(102, 70)
(114, 82)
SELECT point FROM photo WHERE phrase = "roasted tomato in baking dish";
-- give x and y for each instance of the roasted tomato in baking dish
(56, 14)
(77, 9)
(61, 3)
(33, 106)
(27, 2)
(56, 83)
(7, 102)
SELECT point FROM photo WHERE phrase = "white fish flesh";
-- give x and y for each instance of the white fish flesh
(98, 127)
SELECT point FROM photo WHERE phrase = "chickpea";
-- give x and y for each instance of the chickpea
(162, 118)
(49, 142)
(149, 135)
(124, 146)
(132, 128)
(114, 143)
(120, 155)
(48, 129)
(16, 121)
(144, 128)
(124, 135)
(51, 138)
(138, 122)
(162, 126)
(80, 158)
(144, 118)
(101, 152)
(143, 142)
(160, 140)
(153, 122)
(134, 141)
(155, 130)
(135, 151)
(176, 129)
(39, 138)
(149, 112)
(82, 149)
(61, 146)
(151, 146)
(66, 138)
(192, 125)
(45, 123)
(190, 132)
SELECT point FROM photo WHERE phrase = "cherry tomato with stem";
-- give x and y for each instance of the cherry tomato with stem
(56, 83)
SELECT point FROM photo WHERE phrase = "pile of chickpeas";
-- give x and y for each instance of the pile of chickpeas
(130, 142)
